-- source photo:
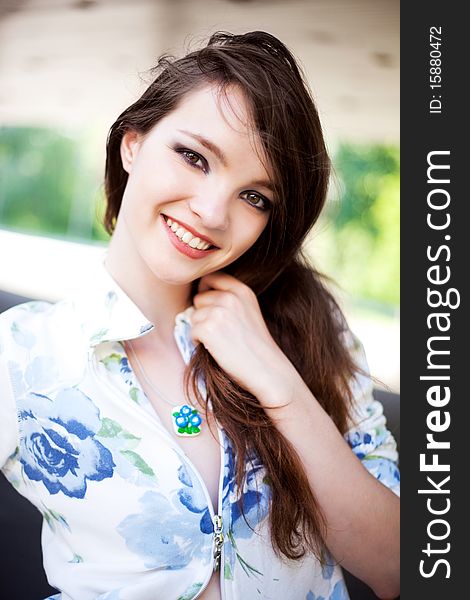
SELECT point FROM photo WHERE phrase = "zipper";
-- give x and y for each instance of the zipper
(217, 521)
(221, 554)
(218, 540)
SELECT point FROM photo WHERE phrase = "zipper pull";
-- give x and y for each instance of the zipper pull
(218, 540)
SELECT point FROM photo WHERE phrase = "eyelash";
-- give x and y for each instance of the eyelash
(185, 151)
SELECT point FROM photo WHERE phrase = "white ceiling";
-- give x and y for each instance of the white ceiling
(78, 63)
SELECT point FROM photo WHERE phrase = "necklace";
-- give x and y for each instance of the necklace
(186, 419)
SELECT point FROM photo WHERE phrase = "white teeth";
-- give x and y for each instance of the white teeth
(187, 237)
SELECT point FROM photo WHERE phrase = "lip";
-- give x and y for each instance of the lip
(181, 246)
(193, 231)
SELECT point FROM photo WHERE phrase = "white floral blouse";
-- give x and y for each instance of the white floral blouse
(126, 514)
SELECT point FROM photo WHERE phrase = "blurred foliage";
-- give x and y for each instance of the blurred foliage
(46, 184)
(52, 184)
(360, 227)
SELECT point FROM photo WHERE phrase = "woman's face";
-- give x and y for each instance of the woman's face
(198, 168)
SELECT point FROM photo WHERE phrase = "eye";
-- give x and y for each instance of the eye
(193, 158)
(258, 201)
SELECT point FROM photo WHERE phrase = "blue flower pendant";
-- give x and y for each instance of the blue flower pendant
(186, 420)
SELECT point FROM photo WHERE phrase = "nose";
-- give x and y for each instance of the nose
(212, 209)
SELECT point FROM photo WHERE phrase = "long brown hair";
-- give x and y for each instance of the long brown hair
(302, 315)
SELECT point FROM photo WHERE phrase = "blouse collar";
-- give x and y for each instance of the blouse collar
(107, 314)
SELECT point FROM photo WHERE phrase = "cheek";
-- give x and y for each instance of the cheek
(158, 177)
(251, 236)
(147, 194)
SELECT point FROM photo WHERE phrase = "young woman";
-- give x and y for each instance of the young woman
(201, 422)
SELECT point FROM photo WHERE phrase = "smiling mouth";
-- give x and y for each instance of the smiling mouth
(187, 237)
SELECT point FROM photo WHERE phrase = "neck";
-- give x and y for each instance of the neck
(158, 300)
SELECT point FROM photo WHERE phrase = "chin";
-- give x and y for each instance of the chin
(174, 279)
(174, 275)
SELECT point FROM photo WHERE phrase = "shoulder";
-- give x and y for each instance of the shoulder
(21, 327)
(36, 323)
(19, 322)
(39, 335)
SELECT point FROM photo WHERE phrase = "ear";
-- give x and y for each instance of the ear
(130, 145)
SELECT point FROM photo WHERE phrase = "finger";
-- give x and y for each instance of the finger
(200, 315)
(214, 298)
(224, 282)
(206, 322)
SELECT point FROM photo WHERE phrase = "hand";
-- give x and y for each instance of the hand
(228, 321)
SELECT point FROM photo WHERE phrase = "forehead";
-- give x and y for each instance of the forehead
(214, 107)
(222, 116)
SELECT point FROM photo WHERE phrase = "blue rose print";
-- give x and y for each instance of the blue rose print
(60, 449)
(383, 470)
(182, 334)
(166, 534)
(311, 596)
(328, 567)
(41, 373)
(365, 446)
(363, 443)
(116, 362)
(255, 495)
(339, 591)
(194, 500)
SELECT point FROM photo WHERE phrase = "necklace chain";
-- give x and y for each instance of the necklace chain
(144, 375)
(186, 419)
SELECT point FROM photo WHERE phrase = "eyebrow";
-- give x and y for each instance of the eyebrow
(221, 156)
